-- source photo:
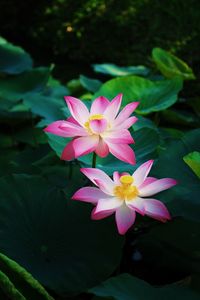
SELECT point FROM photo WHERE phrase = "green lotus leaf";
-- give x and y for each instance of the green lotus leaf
(17, 283)
(152, 95)
(127, 287)
(13, 59)
(183, 199)
(90, 84)
(193, 161)
(170, 65)
(53, 237)
(114, 70)
(16, 87)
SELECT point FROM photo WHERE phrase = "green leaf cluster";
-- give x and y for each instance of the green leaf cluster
(51, 236)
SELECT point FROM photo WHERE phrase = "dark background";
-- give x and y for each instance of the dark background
(75, 34)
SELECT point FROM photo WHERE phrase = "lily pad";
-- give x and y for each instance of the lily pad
(152, 95)
(53, 237)
(170, 65)
(13, 59)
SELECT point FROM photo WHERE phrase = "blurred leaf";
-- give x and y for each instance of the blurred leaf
(49, 103)
(144, 122)
(183, 199)
(16, 87)
(5, 141)
(173, 247)
(178, 117)
(195, 104)
(18, 283)
(127, 287)
(170, 65)
(115, 70)
(53, 237)
(75, 87)
(13, 59)
(9, 289)
(31, 136)
(169, 134)
(50, 106)
(193, 161)
(152, 95)
(90, 84)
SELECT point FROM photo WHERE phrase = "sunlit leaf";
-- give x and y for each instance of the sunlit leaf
(114, 70)
(193, 161)
(170, 65)
(152, 95)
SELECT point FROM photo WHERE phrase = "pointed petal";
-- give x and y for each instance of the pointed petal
(77, 109)
(147, 181)
(137, 204)
(156, 209)
(122, 152)
(72, 130)
(111, 203)
(125, 218)
(126, 124)
(85, 145)
(54, 128)
(125, 113)
(98, 126)
(116, 177)
(156, 187)
(113, 108)
(102, 149)
(99, 105)
(122, 136)
(142, 172)
(72, 120)
(68, 152)
(99, 178)
(101, 215)
(89, 194)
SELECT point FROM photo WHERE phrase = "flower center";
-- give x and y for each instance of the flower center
(126, 191)
(96, 117)
(91, 118)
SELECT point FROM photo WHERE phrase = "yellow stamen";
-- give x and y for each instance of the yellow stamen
(126, 191)
(96, 117)
(126, 179)
(91, 118)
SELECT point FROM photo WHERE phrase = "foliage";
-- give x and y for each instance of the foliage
(50, 235)
(16, 283)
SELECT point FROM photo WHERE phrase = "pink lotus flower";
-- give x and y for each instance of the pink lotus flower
(100, 130)
(124, 195)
